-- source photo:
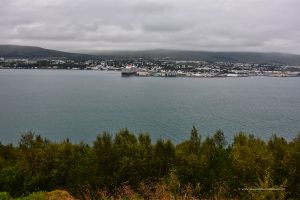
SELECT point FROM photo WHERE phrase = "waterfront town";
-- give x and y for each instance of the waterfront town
(157, 67)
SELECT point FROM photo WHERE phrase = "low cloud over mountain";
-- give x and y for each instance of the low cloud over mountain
(213, 25)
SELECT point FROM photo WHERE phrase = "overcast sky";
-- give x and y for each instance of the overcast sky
(214, 25)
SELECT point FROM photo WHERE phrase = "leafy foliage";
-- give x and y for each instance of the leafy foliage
(131, 166)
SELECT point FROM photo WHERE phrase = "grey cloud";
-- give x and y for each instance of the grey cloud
(151, 7)
(217, 25)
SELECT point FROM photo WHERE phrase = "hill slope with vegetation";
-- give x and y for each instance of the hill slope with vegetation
(131, 166)
(16, 51)
(234, 57)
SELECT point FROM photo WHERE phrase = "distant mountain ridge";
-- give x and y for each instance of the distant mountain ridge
(15, 51)
(246, 57)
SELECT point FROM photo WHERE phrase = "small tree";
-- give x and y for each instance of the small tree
(195, 141)
(266, 190)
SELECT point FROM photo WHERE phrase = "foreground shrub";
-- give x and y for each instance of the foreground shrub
(58, 195)
(202, 168)
(5, 196)
(34, 196)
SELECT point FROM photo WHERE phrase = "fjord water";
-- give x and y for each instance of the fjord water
(79, 105)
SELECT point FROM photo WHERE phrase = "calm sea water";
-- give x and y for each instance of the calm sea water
(81, 104)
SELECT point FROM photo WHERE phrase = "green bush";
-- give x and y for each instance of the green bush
(205, 167)
(5, 196)
(34, 196)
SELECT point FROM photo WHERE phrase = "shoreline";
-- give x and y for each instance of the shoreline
(180, 76)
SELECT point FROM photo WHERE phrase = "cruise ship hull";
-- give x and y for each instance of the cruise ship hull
(126, 74)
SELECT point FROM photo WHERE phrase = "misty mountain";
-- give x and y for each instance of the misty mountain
(16, 51)
(248, 57)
